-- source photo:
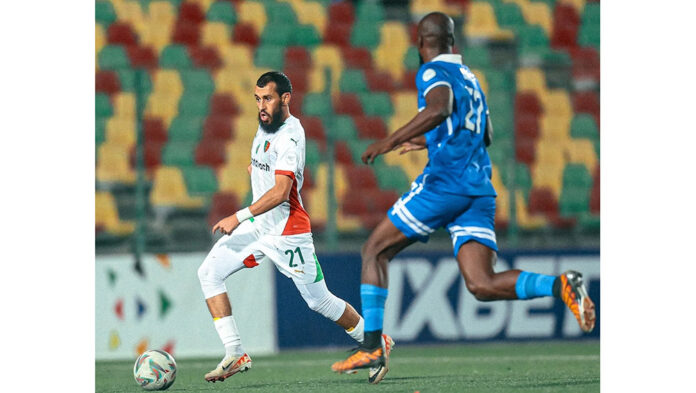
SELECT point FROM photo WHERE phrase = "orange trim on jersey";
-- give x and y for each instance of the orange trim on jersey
(298, 221)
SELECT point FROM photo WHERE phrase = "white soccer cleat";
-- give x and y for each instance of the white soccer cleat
(376, 374)
(229, 366)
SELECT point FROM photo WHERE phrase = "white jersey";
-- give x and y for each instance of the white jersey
(282, 152)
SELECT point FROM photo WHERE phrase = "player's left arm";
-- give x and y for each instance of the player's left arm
(438, 107)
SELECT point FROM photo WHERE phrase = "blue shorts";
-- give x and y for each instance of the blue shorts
(421, 211)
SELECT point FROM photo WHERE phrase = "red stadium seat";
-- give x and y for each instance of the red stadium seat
(347, 104)
(587, 102)
(361, 178)
(153, 156)
(222, 205)
(142, 56)
(245, 33)
(298, 78)
(338, 34)
(379, 81)
(121, 33)
(297, 57)
(341, 12)
(585, 63)
(210, 152)
(564, 13)
(413, 34)
(186, 33)
(542, 201)
(308, 181)
(342, 154)
(223, 104)
(296, 101)
(205, 57)
(314, 129)
(218, 127)
(527, 103)
(525, 150)
(409, 80)
(564, 36)
(106, 81)
(154, 131)
(191, 13)
(527, 126)
(370, 127)
(357, 58)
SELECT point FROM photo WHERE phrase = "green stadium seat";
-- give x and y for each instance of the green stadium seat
(280, 12)
(589, 36)
(370, 12)
(576, 175)
(268, 56)
(353, 81)
(197, 81)
(391, 177)
(312, 154)
(574, 201)
(476, 57)
(306, 35)
(365, 35)
(357, 147)
(591, 15)
(316, 104)
(102, 105)
(104, 13)
(376, 104)
(179, 154)
(175, 56)
(277, 34)
(194, 104)
(501, 151)
(533, 39)
(343, 129)
(100, 125)
(500, 81)
(200, 180)
(583, 126)
(113, 57)
(412, 59)
(222, 11)
(126, 79)
(509, 15)
(523, 180)
(186, 129)
(589, 222)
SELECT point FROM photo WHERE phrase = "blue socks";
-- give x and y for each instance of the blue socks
(373, 299)
(531, 285)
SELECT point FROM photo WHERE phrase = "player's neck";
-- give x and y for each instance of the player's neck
(432, 53)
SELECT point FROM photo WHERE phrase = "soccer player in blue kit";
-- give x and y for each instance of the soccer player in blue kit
(454, 191)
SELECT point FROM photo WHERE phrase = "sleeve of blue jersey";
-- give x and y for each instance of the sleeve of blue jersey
(430, 76)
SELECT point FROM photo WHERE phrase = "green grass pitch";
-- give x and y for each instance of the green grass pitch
(571, 366)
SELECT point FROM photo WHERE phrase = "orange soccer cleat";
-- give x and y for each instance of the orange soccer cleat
(376, 374)
(575, 296)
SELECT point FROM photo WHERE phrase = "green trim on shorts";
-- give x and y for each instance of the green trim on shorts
(320, 274)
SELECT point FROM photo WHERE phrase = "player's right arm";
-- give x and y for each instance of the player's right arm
(488, 134)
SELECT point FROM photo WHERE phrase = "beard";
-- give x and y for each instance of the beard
(275, 124)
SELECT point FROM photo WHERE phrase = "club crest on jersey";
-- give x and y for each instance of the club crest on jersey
(266, 146)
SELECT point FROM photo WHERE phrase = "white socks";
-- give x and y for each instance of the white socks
(358, 332)
(227, 330)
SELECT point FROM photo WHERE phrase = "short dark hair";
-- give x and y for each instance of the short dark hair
(282, 82)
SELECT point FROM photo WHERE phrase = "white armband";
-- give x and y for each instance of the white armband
(244, 214)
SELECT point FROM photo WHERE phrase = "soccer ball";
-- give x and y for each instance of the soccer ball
(155, 370)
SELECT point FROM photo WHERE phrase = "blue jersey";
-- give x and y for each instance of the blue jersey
(458, 160)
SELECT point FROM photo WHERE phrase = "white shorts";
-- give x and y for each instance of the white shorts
(293, 255)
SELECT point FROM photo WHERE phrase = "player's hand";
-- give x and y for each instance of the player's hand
(227, 225)
(408, 146)
(376, 149)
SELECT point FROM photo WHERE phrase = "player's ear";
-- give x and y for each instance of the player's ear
(285, 99)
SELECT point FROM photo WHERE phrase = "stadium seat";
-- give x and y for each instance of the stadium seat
(353, 81)
(357, 58)
(121, 34)
(527, 103)
(222, 204)
(237, 57)
(343, 154)
(121, 131)
(557, 102)
(370, 127)
(223, 104)
(104, 12)
(376, 104)
(347, 104)
(365, 35)
(509, 15)
(297, 57)
(306, 35)
(525, 151)
(314, 129)
(222, 11)
(586, 67)
(106, 214)
(142, 57)
(584, 126)
(526, 126)
(253, 13)
(392, 178)
(205, 57)
(543, 202)
(112, 57)
(582, 151)
(168, 81)
(300, 82)
(361, 178)
(186, 129)
(194, 104)
(312, 154)
(482, 23)
(270, 56)
(169, 190)
(200, 180)
(574, 202)
(175, 56)
(217, 127)
(113, 164)
(102, 105)
(338, 34)
(197, 81)
(311, 13)
(315, 104)
(343, 128)
(179, 153)
(234, 179)
(554, 127)
(154, 131)
(216, 34)
(245, 33)
(106, 82)
(538, 13)
(587, 102)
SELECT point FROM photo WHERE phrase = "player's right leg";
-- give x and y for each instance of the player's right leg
(230, 254)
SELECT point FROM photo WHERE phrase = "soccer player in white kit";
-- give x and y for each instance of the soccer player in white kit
(274, 228)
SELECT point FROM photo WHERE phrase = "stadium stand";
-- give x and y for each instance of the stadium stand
(191, 66)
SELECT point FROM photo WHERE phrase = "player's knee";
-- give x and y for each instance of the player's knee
(481, 289)
(329, 306)
(210, 281)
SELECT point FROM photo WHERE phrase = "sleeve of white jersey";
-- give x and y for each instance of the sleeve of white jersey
(288, 150)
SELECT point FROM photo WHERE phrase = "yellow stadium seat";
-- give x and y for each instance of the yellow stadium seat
(124, 104)
(167, 81)
(162, 13)
(483, 24)
(419, 8)
(405, 103)
(538, 13)
(254, 14)
(113, 164)
(169, 189)
(238, 151)
(121, 131)
(235, 179)
(215, 34)
(531, 80)
(156, 35)
(502, 201)
(582, 151)
(164, 106)
(579, 5)
(554, 127)
(390, 59)
(393, 33)
(237, 57)
(322, 57)
(547, 170)
(524, 219)
(203, 4)
(481, 77)
(412, 162)
(130, 11)
(99, 39)
(311, 13)
(557, 102)
(106, 215)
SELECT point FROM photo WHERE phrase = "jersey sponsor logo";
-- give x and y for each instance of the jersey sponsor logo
(266, 146)
(260, 165)
(429, 74)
